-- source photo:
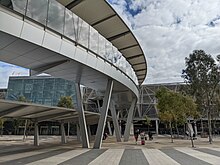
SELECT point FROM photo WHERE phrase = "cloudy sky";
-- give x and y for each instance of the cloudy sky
(168, 30)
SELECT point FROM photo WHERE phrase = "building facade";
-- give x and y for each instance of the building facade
(3, 93)
(41, 90)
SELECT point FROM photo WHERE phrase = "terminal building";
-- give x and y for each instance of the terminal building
(44, 90)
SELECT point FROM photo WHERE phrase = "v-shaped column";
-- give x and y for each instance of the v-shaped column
(103, 116)
(129, 120)
(115, 122)
(82, 120)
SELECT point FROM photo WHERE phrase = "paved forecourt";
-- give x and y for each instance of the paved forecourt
(65, 155)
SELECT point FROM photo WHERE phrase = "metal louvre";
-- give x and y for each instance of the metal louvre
(100, 15)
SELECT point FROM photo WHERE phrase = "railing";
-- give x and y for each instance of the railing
(55, 16)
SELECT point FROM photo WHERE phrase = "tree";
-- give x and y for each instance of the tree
(66, 102)
(27, 123)
(147, 122)
(1, 125)
(202, 78)
(174, 108)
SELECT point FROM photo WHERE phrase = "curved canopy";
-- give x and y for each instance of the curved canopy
(38, 112)
(100, 15)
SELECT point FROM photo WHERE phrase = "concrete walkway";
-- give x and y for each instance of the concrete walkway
(157, 152)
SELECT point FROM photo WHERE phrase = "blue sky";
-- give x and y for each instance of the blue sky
(168, 31)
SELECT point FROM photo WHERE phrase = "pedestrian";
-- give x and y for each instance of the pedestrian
(150, 135)
(136, 134)
(142, 134)
(105, 135)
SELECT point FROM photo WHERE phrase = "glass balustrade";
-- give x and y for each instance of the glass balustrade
(94, 40)
(17, 5)
(37, 10)
(69, 28)
(55, 19)
(52, 14)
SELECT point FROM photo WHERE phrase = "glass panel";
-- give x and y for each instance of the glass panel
(109, 51)
(69, 28)
(122, 64)
(94, 40)
(6, 3)
(101, 51)
(83, 33)
(56, 16)
(37, 10)
(19, 5)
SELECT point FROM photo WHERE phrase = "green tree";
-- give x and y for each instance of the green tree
(23, 99)
(174, 108)
(1, 125)
(202, 78)
(27, 123)
(147, 122)
(66, 102)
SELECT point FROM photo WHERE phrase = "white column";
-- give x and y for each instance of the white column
(63, 134)
(119, 124)
(82, 120)
(78, 133)
(109, 128)
(132, 129)
(157, 127)
(68, 130)
(195, 128)
(36, 134)
(103, 115)
(89, 132)
(115, 122)
(129, 120)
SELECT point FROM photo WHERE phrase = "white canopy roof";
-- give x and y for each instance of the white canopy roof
(23, 110)
(100, 15)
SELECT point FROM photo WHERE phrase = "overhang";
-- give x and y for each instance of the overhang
(37, 112)
(100, 15)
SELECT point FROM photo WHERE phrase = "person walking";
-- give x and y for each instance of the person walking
(136, 134)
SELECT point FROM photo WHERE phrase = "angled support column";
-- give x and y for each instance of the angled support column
(82, 119)
(89, 132)
(132, 129)
(36, 134)
(157, 128)
(109, 128)
(78, 133)
(118, 115)
(63, 134)
(103, 116)
(129, 120)
(115, 122)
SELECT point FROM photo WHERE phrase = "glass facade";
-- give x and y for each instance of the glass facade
(53, 15)
(40, 90)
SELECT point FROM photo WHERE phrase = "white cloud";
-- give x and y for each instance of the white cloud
(170, 30)
(7, 70)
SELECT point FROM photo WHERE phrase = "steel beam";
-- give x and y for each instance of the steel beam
(103, 20)
(118, 36)
(73, 4)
